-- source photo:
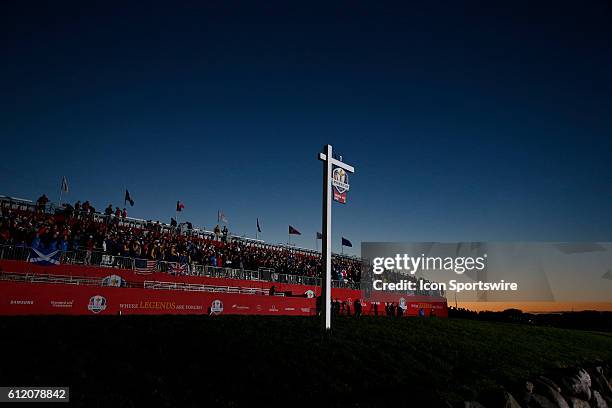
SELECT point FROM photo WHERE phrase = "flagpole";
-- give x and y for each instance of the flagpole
(60, 195)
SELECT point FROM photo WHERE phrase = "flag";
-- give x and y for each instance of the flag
(293, 231)
(128, 198)
(319, 235)
(179, 206)
(45, 257)
(174, 268)
(258, 227)
(64, 184)
(221, 217)
(144, 266)
(346, 242)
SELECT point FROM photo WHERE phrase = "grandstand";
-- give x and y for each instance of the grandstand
(177, 268)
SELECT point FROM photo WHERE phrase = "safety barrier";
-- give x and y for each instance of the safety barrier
(99, 258)
(14, 253)
(192, 287)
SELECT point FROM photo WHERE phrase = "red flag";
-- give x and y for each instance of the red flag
(179, 206)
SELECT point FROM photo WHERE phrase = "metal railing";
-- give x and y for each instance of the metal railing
(194, 287)
(102, 259)
(84, 281)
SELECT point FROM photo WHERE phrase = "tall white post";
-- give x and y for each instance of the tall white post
(326, 241)
(328, 162)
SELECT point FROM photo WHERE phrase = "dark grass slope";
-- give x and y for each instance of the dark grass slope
(234, 361)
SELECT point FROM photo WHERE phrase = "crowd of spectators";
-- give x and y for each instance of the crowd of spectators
(74, 227)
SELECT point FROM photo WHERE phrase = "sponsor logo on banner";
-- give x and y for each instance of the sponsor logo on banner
(21, 302)
(216, 307)
(340, 182)
(309, 294)
(62, 303)
(97, 304)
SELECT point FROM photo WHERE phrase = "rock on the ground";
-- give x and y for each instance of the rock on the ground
(540, 401)
(578, 403)
(599, 382)
(552, 391)
(597, 400)
(509, 401)
(578, 384)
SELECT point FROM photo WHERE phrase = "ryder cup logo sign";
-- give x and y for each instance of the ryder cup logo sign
(97, 304)
(402, 303)
(341, 184)
(216, 307)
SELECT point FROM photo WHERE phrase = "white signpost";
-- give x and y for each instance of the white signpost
(328, 162)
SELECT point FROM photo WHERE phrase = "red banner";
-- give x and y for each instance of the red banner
(18, 297)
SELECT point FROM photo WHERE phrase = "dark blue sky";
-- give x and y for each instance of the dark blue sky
(465, 121)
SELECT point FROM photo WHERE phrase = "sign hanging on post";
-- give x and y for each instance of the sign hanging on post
(340, 182)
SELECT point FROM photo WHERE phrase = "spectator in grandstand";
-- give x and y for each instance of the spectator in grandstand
(124, 213)
(41, 203)
(90, 247)
(109, 210)
(217, 232)
(272, 290)
(70, 231)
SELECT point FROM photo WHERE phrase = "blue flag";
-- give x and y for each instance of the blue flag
(45, 256)
(346, 242)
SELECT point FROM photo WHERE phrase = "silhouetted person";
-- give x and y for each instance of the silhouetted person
(357, 308)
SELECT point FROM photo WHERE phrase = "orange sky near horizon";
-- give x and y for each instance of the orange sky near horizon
(535, 307)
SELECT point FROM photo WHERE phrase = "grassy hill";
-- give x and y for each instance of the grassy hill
(234, 361)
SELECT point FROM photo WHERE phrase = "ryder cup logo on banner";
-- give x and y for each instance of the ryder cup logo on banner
(216, 307)
(341, 184)
(309, 294)
(112, 280)
(97, 304)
